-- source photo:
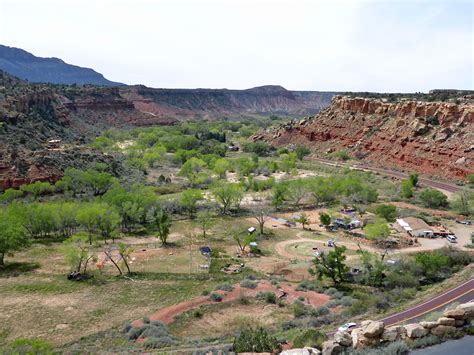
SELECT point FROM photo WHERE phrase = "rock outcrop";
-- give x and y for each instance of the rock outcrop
(434, 138)
(373, 333)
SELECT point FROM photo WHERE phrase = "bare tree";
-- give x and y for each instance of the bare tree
(262, 216)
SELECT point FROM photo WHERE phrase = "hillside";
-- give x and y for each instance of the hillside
(435, 138)
(26, 66)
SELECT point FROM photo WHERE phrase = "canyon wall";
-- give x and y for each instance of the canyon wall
(434, 138)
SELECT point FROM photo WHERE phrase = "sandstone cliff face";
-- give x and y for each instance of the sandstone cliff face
(434, 138)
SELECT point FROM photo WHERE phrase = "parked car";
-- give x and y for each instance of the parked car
(467, 223)
(330, 243)
(451, 238)
(347, 327)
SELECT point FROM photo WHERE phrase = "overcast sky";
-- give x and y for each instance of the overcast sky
(357, 45)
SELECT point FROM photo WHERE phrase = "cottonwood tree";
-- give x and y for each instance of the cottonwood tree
(78, 253)
(325, 219)
(262, 216)
(87, 217)
(189, 199)
(463, 202)
(204, 219)
(163, 224)
(12, 234)
(303, 219)
(193, 169)
(227, 195)
(243, 240)
(377, 231)
(331, 264)
(107, 222)
(221, 166)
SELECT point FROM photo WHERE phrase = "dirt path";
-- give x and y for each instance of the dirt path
(284, 291)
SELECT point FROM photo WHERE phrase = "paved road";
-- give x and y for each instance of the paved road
(461, 293)
(397, 174)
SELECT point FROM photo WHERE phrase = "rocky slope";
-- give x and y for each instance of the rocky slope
(33, 114)
(26, 66)
(435, 138)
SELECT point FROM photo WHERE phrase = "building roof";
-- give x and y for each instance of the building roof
(415, 224)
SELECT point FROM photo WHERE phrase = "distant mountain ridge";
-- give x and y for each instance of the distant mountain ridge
(27, 66)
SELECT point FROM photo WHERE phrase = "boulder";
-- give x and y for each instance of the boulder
(468, 309)
(429, 325)
(447, 321)
(457, 313)
(359, 340)
(392, 333)
(442, 330)
(304, 351)
(461, 161)
(460, 322)
(372, 329)
(343, 338)
(415, 331)
(330, 347)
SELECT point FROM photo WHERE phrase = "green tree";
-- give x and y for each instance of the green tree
(431, 263)
(77, 253)
(193, 170)
(406, 189)
(279, 191)
(37, 189)
(389, 212)
(413, 179)
(228, 195)
(163, 224)
(243, 240)
(301, 151)
(204, 219)
(10, 195)
(189, 199)
(373, 269)
(377, 231)
(433, 198)
(297, 190)
(303, 219)
(12, 234)
(87, 218)
(331, 264)
(463, 202)
(288, 162)
(221, 166)
(325, 219)
(107, 221)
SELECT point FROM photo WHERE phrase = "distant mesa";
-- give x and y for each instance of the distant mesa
(27, 66)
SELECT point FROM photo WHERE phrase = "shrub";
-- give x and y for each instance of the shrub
(146, 320)
(333, 303)
(425, 341)
(243, 300)
(224, 287)
(321, 311)
(215, 297)
(331, 291)
(310, 337)
(158, 343)
(255, 340)
(197, 313)
(299, 309)
(268, 297)
(31, 346)
(347, 301)
(396, 348)
(248, 283)
(205, 293)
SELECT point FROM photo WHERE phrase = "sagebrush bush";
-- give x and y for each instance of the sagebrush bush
(424, 342)
(331, 291)
(197, 313)
(248, 283)
(159, 343)
(347, 301)
(224, 287)
(205, 293)
(311, 338)
(299, 309)
(215, 297)
(268, 297)
(320, 311)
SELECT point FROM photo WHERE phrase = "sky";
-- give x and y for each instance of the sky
(333, 45)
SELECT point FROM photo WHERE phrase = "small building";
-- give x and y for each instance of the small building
(251, 230)
(54, 144)
(352, 224)
(416, 227)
